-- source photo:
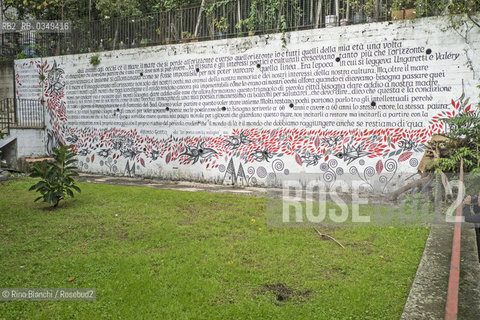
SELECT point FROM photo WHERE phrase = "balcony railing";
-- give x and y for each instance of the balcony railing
(21, 113)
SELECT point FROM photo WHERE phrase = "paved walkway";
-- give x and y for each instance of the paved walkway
(175, 185)
(427, 297)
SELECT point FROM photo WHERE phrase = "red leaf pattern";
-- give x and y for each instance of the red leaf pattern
(405, 156)
(379, 167)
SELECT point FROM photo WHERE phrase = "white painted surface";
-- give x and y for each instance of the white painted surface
(30, 142)
(116, 114)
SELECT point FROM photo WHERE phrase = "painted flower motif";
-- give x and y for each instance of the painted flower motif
(311, 159)
(195, 153)
(117, 144)
(154, 154)
(130, 154)
(104, 153)
(332, 141)
(262, 155)
(237, 141)
(351, 152)
(407, 144)
(72, 139)
(83, 152)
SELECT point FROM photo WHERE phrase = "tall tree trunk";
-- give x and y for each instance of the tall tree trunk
(311, 12)
(115, 37)
(347, 15)
(239, 15)
(280, 13)
(318, 18)
(199, 18)
(214, 18)
(337, 10)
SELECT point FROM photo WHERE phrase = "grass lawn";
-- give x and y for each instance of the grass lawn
(162, 254)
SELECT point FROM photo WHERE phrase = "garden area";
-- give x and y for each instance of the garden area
(167, 254)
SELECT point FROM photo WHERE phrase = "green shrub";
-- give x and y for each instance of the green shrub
(21, 55)
(57, 177)
(95, 60)
(463, 131)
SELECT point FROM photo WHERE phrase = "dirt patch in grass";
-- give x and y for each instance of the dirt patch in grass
(284, 293)
(186, 222)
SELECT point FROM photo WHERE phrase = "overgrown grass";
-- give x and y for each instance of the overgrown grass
(162, 254)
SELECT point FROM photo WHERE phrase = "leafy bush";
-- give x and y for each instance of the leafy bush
(463, 131)
(95, 60)
(21, 55)
(57, 176)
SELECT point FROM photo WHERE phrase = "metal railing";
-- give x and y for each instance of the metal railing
(21, 113)
(5, 115)
(224, 19)
(29, 114)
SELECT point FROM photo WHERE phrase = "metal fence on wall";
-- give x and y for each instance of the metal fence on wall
(225, 20)
(29, 113)
(21, 113)
(5, 115)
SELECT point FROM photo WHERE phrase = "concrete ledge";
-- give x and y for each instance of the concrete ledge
(428, 294)
(30, 142)
(6, 141)
(469, 293)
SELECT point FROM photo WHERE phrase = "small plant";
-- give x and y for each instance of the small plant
(251, 21)
(369, 8)
(187, 35)
(144, 42)
(21, 55)
(221, 24)
(95, 60)
(57, 177)
(463, 133)
(402, 4)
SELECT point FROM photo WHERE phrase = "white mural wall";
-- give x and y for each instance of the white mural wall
(359, 101)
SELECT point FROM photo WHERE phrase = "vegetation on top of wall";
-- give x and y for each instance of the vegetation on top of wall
(4, 59)
(105, 25)
(21, 55)
(95, 60)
